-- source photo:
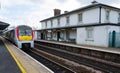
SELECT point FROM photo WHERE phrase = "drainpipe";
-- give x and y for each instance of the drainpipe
(100, 15)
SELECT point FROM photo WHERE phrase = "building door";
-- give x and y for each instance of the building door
(112, 39)
(67, 35)
(42, 36)
(58, 36)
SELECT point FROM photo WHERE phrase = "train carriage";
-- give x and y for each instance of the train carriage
(21, 35)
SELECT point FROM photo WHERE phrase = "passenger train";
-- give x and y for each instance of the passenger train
(22, 35)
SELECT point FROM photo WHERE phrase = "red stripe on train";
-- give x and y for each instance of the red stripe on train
(32, 34)
(17, 33)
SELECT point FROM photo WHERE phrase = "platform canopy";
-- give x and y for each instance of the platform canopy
(3, 25)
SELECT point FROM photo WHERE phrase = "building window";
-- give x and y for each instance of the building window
(107, 15)
(80, 17)
(67, 19)
(119, 18)
(46, 24)
(51, 23)
(58, 21)
(89, 33)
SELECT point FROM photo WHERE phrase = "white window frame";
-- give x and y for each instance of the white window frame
(107, 16)
(89, 33)
(67, 19)
(46, 24)
(58, 21)
(80, 17)
(51, 23)
(118, 17)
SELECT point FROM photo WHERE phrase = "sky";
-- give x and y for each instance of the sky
(31, 12)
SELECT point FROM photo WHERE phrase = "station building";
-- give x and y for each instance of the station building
(94, 24)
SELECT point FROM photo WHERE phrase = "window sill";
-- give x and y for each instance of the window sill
(80, 22)
(107, 21)
(89, 39)
(67, 24)
(58, 25)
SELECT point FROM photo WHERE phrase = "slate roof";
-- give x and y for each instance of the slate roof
(84, 8)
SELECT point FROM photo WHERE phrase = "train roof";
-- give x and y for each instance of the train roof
(13, 27)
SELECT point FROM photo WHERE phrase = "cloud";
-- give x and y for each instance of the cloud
(30, 12)
(62, 1)
(86, 2)
(15, 2)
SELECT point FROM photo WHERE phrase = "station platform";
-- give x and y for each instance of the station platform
(14, 60)
(7, 63)
(96, 48)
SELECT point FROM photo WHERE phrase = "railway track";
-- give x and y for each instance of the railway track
(54, 66)
(47, 62)
(93, 52)
(99, 64)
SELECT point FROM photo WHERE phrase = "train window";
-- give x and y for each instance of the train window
(21, 32)
(25, 32)
(28, 32)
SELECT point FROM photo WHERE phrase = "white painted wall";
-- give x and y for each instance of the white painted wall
(81, 36)
(91, 16)
(73, 19)
(62, 21)
(103, 15)
(54, 22)
(35, 35)
(114, 28)
(100, 35)
(72, 34)
(113, 16)
(43, 25)
(98, 39)
(48, 24)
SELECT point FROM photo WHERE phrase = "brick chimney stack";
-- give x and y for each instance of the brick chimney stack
(57, 12)
(94, 2)
(65, 11)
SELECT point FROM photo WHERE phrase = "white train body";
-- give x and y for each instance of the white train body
(21, 35)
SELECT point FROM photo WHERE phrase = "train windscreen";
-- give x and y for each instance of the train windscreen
(25, 32)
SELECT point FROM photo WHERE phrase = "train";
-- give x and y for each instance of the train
(21, 36)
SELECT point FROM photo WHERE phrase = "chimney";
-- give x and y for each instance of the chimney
(65, 11)
(94, 2)
(57, 12)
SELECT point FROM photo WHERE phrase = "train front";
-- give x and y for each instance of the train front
(25, 36)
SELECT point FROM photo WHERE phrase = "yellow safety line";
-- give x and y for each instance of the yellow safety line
(16, 60)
